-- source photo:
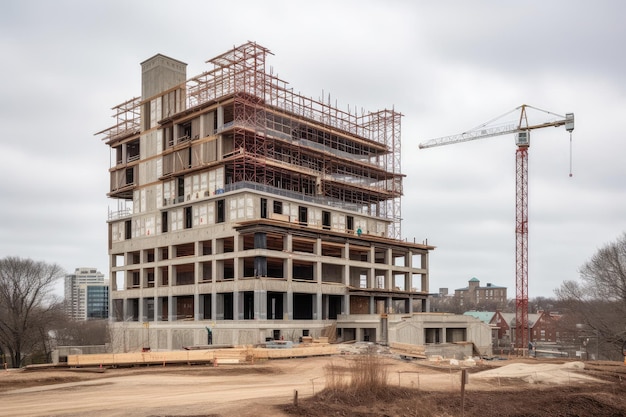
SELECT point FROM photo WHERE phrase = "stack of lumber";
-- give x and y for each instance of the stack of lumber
(409, 350)
(235, 355)
(147, 358)
(301, 351)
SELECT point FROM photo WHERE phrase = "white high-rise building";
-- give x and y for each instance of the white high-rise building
(86, 294)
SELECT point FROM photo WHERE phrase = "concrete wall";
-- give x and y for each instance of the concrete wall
(416, 329)
(133, 337)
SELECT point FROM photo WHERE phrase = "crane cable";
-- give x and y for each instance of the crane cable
(570, 155)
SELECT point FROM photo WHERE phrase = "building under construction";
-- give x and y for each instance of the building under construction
(247, 212)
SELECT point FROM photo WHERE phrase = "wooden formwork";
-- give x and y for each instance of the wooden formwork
(234, 355)
(311, 350)
(409, 350)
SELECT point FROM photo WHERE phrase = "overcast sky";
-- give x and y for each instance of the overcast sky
(448, 66)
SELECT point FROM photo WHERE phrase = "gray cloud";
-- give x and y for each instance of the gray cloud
(447, 66)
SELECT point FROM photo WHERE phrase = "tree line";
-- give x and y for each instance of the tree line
(33, 319)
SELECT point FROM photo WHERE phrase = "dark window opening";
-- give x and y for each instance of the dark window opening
(184, 307)
(207, 306)
(326, 220)
(229, 269)
(188, 217)
(228, 306)
(128, 228)
(135, 279)
(264, 208)
(278, 207)
(350, 223)
(334, 306)
(180, 190)
(303, 215)
(185, 131)
(248, 305)
(220, 211)
(130, 176)
(164, 222)
(132, 151)
(302, 306)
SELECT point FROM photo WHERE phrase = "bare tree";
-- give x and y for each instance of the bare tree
(82, 333)
(26, 305)
(598, 301)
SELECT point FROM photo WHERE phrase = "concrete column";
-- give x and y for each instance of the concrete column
(237, 305)
(237, 261)
(125, 309)
(317, 271)
(425, 279)
(171, 314)
(346, 304)
(140, 309)
(213, 269)
(213, 304)
(260, 304)
(389, 305)
(372, 304)
(196, 306)
(220, 117)
(288, 301)
(317, 314)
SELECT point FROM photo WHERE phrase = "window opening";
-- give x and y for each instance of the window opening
(128, 228)
(188, 217)
(326, 220)
(349, 223)
(164, 222)
(303, 215)
(220, 211)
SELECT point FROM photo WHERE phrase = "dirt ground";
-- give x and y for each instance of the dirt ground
(416, 388)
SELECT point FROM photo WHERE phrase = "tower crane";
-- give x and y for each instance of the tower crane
(521, 128)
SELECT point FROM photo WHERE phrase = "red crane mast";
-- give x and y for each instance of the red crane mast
(522, 130)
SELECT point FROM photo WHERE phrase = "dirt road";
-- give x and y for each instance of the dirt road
(233, 390)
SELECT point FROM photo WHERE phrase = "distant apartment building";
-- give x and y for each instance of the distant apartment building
(474, 295)
(251, 212)
(86, 294)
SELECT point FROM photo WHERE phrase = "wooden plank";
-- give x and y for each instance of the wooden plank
(236, 355)
(407, 349)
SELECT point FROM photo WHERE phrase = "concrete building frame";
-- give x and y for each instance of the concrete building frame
(246, 212)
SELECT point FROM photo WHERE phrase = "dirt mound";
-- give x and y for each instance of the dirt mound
(540, 373)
